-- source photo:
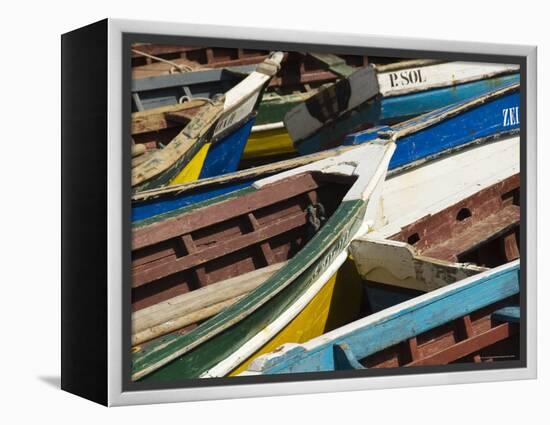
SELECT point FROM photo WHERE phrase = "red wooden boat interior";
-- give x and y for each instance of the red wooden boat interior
(482, 229)
(476, 337)
(233, 237)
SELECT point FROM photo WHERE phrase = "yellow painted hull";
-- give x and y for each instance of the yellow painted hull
(192, 171)
(336, 304)
(268, 143)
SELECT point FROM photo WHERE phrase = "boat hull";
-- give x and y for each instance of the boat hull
(300, 273)
(477, 124)
(337, 303)
(382, 330)
(388, 110)
(225, 154)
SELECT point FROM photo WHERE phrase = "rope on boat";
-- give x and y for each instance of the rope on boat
(175, 66)
(316, 217)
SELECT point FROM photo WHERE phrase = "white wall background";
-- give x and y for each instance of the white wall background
(30, 199)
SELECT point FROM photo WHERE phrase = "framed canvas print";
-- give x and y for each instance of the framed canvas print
(250, 212)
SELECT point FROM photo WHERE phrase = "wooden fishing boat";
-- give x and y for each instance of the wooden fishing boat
(213, 140)
(319, 309)
(396, 92)
(475, 120)
(440, 248)
(268, 139)
(297, 80)
(150, 203)
(441, 132)
(432, 187)
(473, 320)
(298, 224)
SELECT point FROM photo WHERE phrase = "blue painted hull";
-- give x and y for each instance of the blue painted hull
(480, 122)
(225, 154)
(393, 109)
(150, 208)
(428, 312)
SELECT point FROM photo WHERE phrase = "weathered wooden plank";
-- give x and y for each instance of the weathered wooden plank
(200, 272)
(201, 298)
(182, 321)
(177, 312)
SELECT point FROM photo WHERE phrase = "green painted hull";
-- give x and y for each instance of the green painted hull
(213, 341)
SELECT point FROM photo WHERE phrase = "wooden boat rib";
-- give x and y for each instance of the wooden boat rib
(425, 324)
(280, 227)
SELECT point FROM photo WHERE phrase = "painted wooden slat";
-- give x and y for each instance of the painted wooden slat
(412, 79)
(182, 310)
(211, 124)
(467, 347)
(388, 110)
(397, 264)
(166, 90)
